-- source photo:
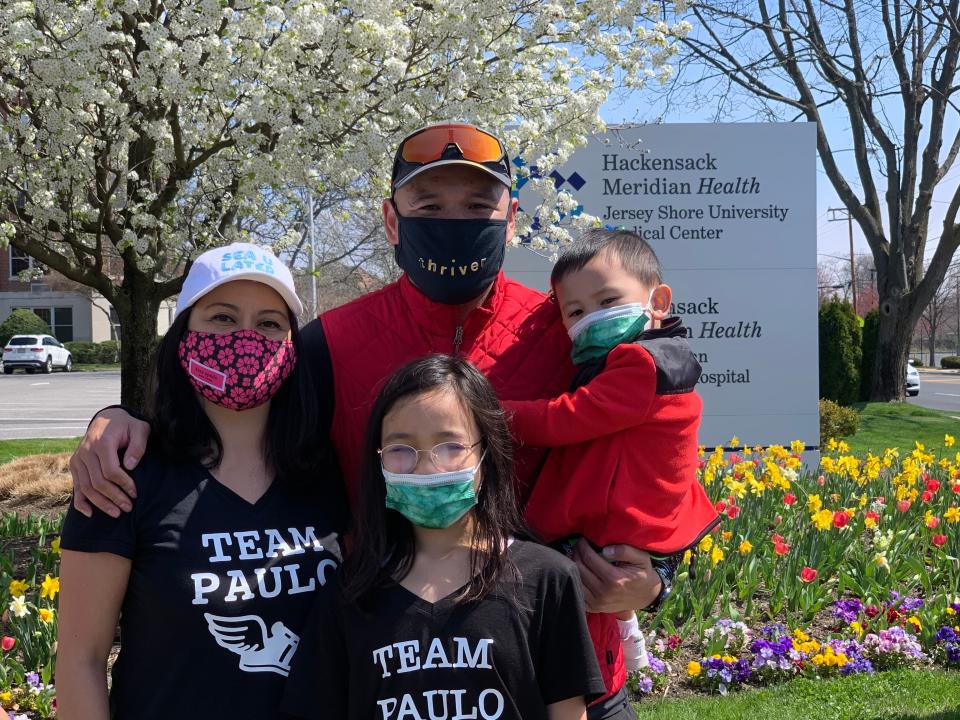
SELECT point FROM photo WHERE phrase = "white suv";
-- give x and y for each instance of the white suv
(35, 352)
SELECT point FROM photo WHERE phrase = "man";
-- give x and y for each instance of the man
(449, 220)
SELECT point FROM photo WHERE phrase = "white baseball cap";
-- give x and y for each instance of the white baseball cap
(239, 261)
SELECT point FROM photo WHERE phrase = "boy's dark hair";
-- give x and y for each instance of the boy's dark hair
(384, 542)
(632, 251)
(182, 432)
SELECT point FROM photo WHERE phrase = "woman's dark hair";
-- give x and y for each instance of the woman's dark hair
(384, 540)
(182, 432)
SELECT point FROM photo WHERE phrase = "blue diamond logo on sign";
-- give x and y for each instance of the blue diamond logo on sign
(558, 179)
(576, 181)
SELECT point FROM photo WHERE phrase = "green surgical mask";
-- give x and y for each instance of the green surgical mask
(432, 501)
(598, 333)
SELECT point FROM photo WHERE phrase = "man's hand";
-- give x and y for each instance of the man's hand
(98, 478)
(630, 584)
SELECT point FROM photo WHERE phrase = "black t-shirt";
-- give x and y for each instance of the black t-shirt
(219, 590)
(505, 657)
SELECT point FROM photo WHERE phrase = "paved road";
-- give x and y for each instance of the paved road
(940, 391)
(57, 405)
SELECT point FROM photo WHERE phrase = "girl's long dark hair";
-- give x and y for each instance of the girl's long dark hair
(182, 432)
(384, 541)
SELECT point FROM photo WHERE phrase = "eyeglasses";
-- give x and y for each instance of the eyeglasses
(446, 457)
(433, 143)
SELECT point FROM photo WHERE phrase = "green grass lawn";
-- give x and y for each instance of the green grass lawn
(884, 425)
(899, 695)
(10, 449)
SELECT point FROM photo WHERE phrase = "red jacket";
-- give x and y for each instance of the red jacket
(625, 465)
(516, 338)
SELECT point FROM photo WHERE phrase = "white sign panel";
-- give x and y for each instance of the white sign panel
(731, 212)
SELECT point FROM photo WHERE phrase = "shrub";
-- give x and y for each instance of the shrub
(871, 335)
(950, 362)
(917, 362)
(108, 352)
(837, 421)
(840, 353)
(88, 353)
(22, 322)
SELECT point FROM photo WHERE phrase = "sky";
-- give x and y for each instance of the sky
(832, 237)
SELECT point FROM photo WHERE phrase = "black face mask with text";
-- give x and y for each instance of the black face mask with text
(451, 261)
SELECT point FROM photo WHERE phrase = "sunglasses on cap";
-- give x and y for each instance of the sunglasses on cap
(448, 144)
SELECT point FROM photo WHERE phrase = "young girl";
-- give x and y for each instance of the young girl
(231, 531)
(446, 612)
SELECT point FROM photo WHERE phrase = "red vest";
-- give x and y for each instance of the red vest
(516, 338)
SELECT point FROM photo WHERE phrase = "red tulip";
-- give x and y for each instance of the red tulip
(956, 488)
(789, 499)
(841, 518)
(933, 485)
(871, 515)
(808, 574)
(776, 538)
(781, 548)
(732, 512)
(7, 643)
(926, 496)
(720, 506)
(933, 522)
(903, 505)
(939, 540)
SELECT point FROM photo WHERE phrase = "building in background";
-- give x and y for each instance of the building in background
(73, 311)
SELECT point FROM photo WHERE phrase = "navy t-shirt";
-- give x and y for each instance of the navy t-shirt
(219, 590)
(505, 657)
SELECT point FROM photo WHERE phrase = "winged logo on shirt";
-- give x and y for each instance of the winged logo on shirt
(247, 636)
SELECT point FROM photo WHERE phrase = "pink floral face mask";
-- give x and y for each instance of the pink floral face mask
(238, 370)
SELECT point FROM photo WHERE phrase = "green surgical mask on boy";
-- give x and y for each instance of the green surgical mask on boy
(598, 333)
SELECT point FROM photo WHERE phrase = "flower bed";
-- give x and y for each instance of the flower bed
(848, 570)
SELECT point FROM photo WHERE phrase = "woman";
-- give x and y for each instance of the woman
(446, 610)
(231, 534)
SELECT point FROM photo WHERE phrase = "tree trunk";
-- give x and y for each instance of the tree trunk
(893, 347)
(933, 344)
(137, 311)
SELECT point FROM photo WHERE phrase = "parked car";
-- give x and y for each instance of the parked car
(35, 352)
(913, 381)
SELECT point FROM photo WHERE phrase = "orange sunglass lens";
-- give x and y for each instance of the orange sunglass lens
(429, 145)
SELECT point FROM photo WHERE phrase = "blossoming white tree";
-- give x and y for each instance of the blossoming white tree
(153, 127)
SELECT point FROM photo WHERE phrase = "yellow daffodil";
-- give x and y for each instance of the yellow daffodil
(705, 544)
(49, 587)
(797, 446)
(734, 441)
(814, 503)
(880, 560)
(822, 520)
(693, 668)
(716, 555)
(745, 547)
(46, 615)
(952, 515)
(55, 546)
(18, 587)
(949, 440)
(686, 557)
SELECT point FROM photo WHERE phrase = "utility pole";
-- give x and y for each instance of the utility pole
(313, 258)
(853, 268)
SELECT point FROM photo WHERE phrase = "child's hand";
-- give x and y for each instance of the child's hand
(620, 579)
